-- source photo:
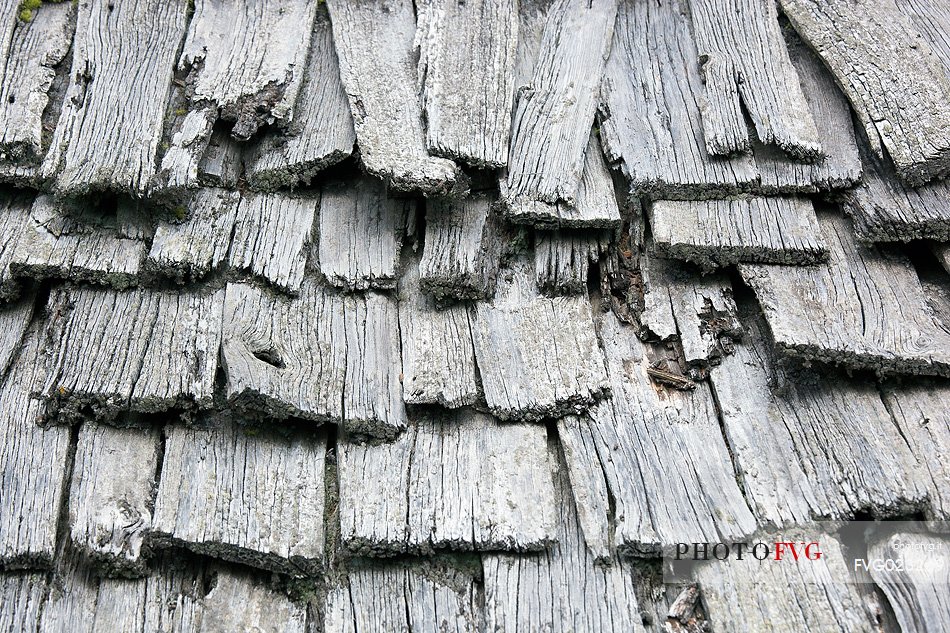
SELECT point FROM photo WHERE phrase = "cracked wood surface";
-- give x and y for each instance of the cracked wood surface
(458, 480)
(864, 309)
(14, 218)
(562, 259)
(915, 581)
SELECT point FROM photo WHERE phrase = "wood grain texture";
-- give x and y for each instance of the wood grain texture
(179, 172)
(744, 64)
(14, 215)
(462, 250)
(110, 125)
(625, 460)
(21, 600)
(374, 41)
(15, 318)
(242, 602)
(915, 582)
(538, 356)
(320, 356)
(272, 236)
(715, 233)
(222, 164)
(139, 350)
(898, 86)
(360, 234)
(458, 480)
(467, 91)
(322, 131)
(863, 309)
(252, 497)
(562, 259)
(111, 496)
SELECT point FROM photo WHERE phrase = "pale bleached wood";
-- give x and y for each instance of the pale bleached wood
(863, 309)
(714, 233)
(110, 125)
(898, 86)
(242, 602)
(932, 20)
(915, 580)
(467, 91)
(14, 215)
(14, 320)
(111, 495)
(223, 162)
(252, 497)
(562, 259)
(21, 600)
(374, 41)
(180, 166)
(538, 356)
(319, 356)
(360, 234)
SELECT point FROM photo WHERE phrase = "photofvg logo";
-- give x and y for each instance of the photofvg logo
(775, 550)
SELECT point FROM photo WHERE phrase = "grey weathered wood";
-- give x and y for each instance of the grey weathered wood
(243, 495)
(272, 236)
(942, 253)
(562, 259)
(744, 64)
(110, 125)
(898, 86)
(932, 21)
(180, 166)
(242, 602)
(425, 598)
(21, 600)
(111, 495)
(322, 132)
(374, 41)
(564, 588)
(139, 350)
(14, 321)
(714, 233)
(467, 91)
(223, 162)
(438, 360)
(320, 356)
(538, 356)
(626, 457)
(29, 54)
(460, 480)
(462, 251)
(360, 233)
(193, 248)
(862, 309)
(808, 445)
(916, 580)
(14, 215)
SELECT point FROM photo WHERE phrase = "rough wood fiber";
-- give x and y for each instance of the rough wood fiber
(322, 132)
(467, 90)
(898, 86)
(628, 460)
(29, 55)
(745, 67)
(14, 321)
(562, 259)
(438, 360)
(110, 125)
(942, 253)
(714, 233)
(111, 495)
(459, 480)
(272, 236)
(422, 598)
(320, 356)
(863, 309)
(932, 21)
(14, 215)
(223, 162)
(241, 602)
(564, 588)
(21, 600)
(916, 586)
(252, 497)
(374, 41)
(139, 350)
(463, 242)
(181, 164)
(191, 249)
(538, 356)
(360, 234)
(809, 445)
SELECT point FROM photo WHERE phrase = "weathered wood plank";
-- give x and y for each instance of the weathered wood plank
(360, 234)
(467, 91)
(462, 251)
(320, 356)
(223, 162)
(942, 253)
(715, 233)
(625, 460)
(14, 215)
(863, 309)
(110, 125)
(139, 350)
(538, 356)
(180, 168)
(933, 22)
(252, 497)
(438, 360)
(458, 480)
(915, 582)
(322, 132)
(242, 602)
(272, 236)
(898, 87)
(21, 600)
(378, 68)
(111, 496)
(744, 64)
(562, 259)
